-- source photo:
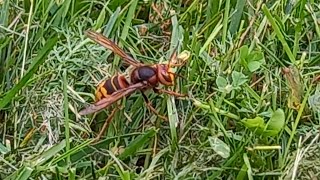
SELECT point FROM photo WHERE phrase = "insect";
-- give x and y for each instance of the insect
(142, 77)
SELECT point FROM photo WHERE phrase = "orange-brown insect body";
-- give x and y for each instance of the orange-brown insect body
(109, 86)
(141, 77)
(153, 75)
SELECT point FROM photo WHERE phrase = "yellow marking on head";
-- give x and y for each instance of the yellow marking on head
(172, 78)
(171, 74)
(184, 56)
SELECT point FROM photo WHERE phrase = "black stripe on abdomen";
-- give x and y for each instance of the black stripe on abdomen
(109, 87)
(116, 82)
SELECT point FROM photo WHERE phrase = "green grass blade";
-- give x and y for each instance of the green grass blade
(4, 13)
(66, 113)
(38, 60)
(171, 106)
(278, 33)
(139, 142)
(315, 19)
(26, 40)
(247, 162)
(189, 10)
(236, 17)
(154, 162)
(299, 28)
(3, 149)
(100, 19)
(217, 110)
(72, 174)
(213, 34)
(297, 120)
(47, 155)
(66, 8)
(125, 30)
(111, 22)
(212, 11)
(60, 16)
(25, 173)
(75, 153)
(225, 22)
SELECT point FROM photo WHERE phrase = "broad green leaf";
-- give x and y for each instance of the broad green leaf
(254, 123)
(238, 79)
(219, 147)
(254, 65)
(267, 133)
(252, 61)
(66, 8)
(221, 82)
(272, 128)
(244, 50)
(276, 121)
(257, 56)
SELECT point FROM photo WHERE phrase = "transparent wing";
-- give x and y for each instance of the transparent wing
(107, 43)
(105, 102)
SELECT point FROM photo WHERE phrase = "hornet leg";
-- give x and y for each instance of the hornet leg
(106, 125)
(152, 108)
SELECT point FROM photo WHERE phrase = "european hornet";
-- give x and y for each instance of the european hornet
(142, 77)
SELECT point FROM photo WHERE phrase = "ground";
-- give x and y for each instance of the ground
(252, 105)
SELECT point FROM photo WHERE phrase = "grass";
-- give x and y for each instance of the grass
(252, 81)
